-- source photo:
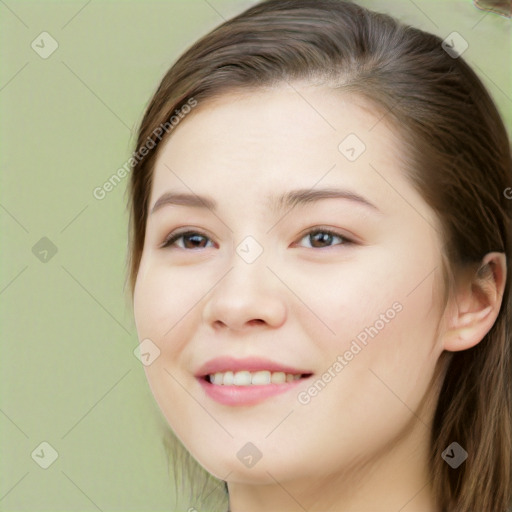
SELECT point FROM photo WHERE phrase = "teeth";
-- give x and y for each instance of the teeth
(246, 378)
(229, 378)
(242, 379)
(261, 378)
(278, 378)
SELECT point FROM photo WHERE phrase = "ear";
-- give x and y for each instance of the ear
(476, 303)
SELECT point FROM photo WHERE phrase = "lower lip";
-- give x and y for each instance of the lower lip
(246, 395)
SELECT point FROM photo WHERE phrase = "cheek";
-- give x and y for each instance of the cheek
(385, 314)
(166, 304)
(347, 298)
(165, 298)
(398, 345)
(381, 363)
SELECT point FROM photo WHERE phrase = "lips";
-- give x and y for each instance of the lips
(238, 392)
(251, 364)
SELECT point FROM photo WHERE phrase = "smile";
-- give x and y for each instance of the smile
(231, 381)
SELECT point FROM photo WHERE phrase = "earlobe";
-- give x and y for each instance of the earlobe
(476, 303)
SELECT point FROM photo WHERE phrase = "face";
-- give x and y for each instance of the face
(337, 289)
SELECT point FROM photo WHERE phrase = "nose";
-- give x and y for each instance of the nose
(248, 296)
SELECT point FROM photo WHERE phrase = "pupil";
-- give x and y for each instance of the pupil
(321, 237)
(196, 240)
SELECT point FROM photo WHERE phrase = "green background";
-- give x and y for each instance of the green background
(67, 369)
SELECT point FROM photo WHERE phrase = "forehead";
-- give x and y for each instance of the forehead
(270, 140)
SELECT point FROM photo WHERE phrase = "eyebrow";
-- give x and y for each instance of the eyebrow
(280, 203)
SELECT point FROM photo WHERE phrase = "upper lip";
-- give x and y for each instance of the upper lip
(253, 364)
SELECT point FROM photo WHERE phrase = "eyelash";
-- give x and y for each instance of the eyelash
(174, 237)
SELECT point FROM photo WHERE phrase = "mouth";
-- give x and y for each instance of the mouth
(249, 381)
(231, 381)
(240, 392)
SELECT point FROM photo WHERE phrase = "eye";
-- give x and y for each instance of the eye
(317, 239)
(190, 240)
(320, 238)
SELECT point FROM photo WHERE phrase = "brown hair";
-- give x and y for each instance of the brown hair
(459, 160)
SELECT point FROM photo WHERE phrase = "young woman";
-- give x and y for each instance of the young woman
(320, 236)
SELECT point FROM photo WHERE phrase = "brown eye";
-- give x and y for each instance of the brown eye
(190, 240)
(320, 238)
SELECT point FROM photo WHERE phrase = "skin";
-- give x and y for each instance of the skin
(362, 443)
